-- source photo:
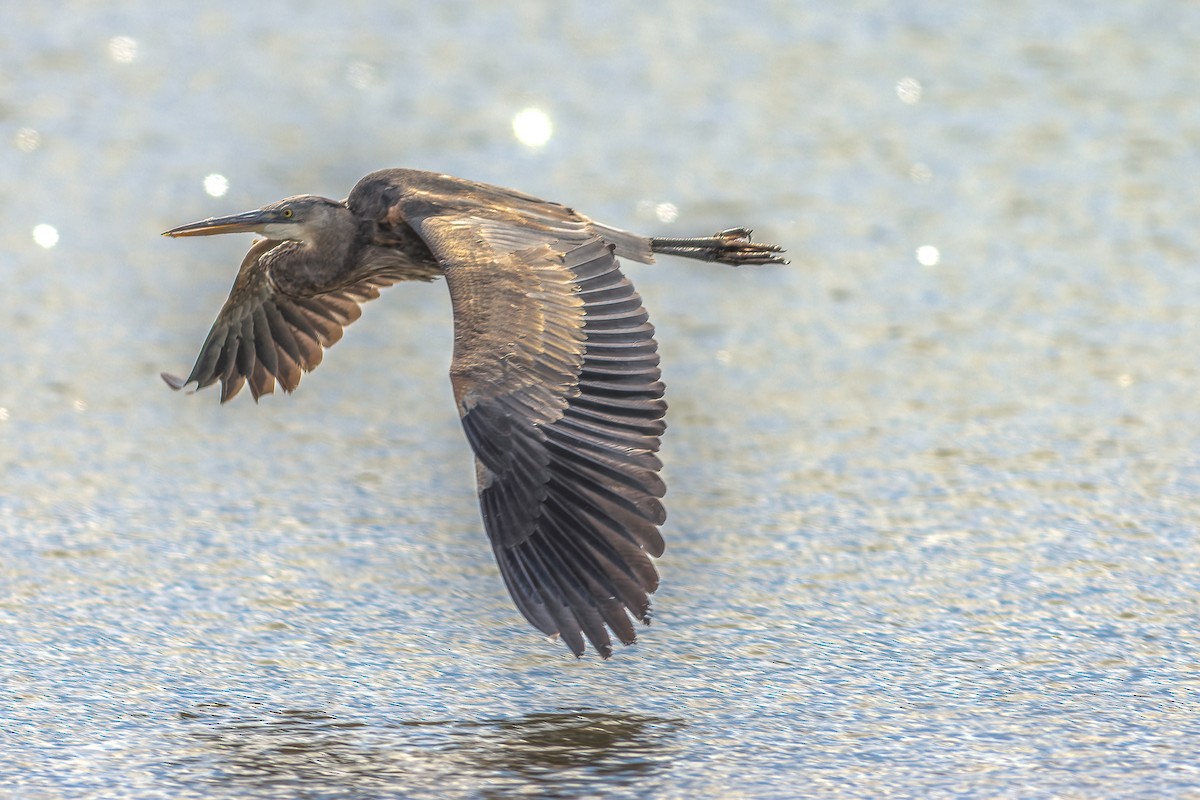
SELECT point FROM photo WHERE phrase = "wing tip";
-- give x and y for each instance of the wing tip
(603, 649)
(174, 381)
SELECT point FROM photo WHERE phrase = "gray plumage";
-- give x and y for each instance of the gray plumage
(555, 367)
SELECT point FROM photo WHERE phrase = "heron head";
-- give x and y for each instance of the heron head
(302, 218)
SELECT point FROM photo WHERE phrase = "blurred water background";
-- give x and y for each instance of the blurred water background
(933, 487)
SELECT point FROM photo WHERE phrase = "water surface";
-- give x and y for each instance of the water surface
(933, 487)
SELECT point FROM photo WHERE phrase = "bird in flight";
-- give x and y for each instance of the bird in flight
(554, 371)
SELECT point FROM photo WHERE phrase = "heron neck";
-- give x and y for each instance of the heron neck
(317, 264)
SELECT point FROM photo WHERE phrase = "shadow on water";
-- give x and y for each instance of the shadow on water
(308, 753)
(569, 749)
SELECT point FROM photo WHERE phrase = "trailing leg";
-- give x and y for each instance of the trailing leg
(731, 247)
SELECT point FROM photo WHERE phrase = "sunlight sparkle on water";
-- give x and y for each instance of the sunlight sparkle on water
(666, 212)
(216, 185)
(928, 255)
(122, 49)
(908, 90)
(27, 140)
(45, 235)
(532, 127)
(362, 75)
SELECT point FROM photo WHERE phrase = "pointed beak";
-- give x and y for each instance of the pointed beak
(246, 222)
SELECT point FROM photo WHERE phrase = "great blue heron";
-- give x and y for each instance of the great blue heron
(555, 368)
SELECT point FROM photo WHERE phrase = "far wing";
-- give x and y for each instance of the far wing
(555, 373)
(263, 336)
(511, 220)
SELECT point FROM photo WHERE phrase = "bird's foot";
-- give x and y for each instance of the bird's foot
(732, 246)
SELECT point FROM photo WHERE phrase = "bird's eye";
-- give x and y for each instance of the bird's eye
(287, 213)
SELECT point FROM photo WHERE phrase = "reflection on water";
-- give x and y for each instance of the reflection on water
(311, 753)
(275, 748)
(565, 750)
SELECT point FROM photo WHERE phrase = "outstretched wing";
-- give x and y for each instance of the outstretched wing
(555, 373)
(263, 335)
